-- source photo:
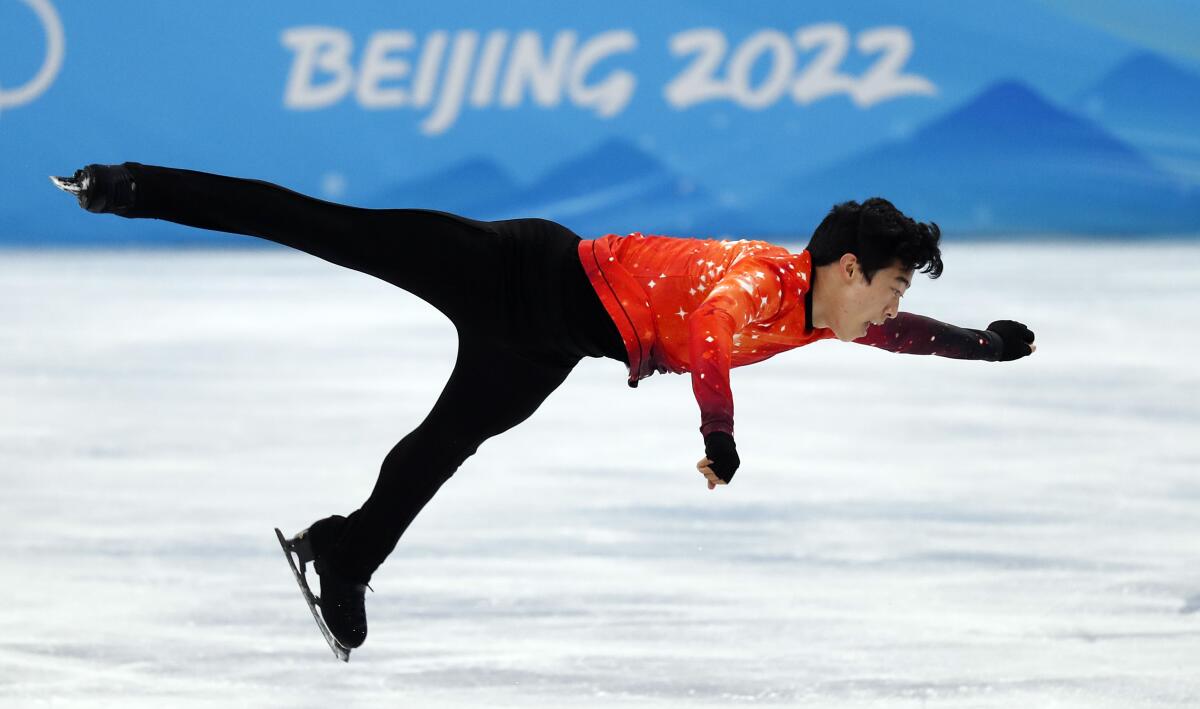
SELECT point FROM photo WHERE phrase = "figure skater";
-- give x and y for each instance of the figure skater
(529, 299)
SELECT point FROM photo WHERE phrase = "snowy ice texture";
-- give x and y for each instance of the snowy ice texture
(904, 532)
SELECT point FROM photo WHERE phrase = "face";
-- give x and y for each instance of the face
(862, 304)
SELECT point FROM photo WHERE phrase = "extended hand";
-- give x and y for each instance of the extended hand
(1018, 339)
(721, 459)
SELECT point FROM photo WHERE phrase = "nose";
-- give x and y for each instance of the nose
(892, 309)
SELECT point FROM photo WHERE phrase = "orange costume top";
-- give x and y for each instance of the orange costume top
(704, 306)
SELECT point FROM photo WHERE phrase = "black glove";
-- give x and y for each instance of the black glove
(1016, 337)
(721, 450)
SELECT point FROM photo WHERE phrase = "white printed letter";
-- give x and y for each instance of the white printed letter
(455, 84)
(489, 67)
(528, 65)
(611, 95)
(427, 67)
(698, 82)
(884, 80)
(324, 48)
(821, 78)
(376, 66)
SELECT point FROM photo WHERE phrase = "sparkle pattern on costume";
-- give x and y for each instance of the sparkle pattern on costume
(720, 292)
(909, 333)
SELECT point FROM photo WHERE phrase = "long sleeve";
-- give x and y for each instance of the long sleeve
(908, 333)
(749, 292)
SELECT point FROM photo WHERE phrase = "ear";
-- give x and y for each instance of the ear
(848, 265)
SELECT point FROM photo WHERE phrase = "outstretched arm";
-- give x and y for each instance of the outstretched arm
(749, 292)
(908, 333)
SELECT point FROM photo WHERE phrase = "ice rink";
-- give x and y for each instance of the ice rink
(904, 531)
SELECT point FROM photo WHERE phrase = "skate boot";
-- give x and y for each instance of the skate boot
(101, 188)
(342, 599)
(342, 605)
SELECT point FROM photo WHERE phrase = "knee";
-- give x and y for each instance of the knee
(435, 454)
(457, 449)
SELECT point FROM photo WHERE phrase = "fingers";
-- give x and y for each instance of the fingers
(1014, 335)
(1027, 337)
(708, 473)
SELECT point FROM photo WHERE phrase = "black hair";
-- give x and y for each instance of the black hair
(879, 235)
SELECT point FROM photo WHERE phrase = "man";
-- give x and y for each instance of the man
(530, 299)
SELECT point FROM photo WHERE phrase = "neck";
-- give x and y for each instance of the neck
(819, 289)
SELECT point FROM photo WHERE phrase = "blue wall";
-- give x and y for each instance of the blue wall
(677, 117)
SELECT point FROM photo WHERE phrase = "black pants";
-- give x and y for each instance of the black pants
(515, 290)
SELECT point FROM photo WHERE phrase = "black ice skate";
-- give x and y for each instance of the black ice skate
(342, 616)
(100, 188)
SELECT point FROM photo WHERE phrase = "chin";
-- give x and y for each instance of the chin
(851, 335)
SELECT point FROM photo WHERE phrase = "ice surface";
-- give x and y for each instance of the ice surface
(904, 532)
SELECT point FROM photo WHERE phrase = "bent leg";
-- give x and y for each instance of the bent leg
(491, 389)
(410, 248)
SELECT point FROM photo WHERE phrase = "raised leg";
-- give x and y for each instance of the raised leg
(431, 254)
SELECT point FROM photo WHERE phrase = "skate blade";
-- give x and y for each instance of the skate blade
(289, 547)
(67, 184)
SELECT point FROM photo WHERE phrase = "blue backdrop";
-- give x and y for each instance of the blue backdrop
(676, 117)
